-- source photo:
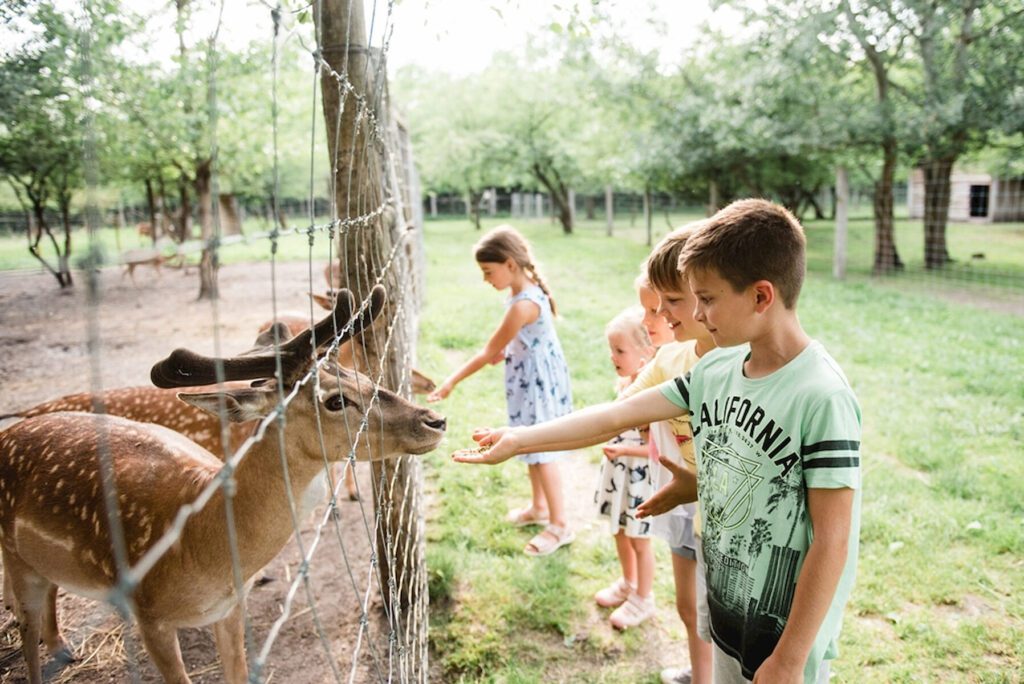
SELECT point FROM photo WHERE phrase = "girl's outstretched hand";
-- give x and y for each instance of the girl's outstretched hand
(502, 443)
(441, 392)
(682, 489)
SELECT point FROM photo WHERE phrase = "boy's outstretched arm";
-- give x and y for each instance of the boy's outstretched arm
(831, 511)
(681, 489)
(580, 428)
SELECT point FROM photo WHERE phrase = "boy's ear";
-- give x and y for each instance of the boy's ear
(764, 295)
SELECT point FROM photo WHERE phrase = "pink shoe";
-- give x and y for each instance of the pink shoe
(634, 611)
(615, 594)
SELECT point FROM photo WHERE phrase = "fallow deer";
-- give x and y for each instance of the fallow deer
(53, 518)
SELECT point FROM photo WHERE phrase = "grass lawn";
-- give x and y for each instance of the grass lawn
(940, 589)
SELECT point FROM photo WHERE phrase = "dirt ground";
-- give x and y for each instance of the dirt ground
(44, 353)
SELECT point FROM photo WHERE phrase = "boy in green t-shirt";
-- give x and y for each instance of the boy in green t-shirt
(777, 430)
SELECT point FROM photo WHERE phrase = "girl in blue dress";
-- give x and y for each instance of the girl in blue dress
(536, 375)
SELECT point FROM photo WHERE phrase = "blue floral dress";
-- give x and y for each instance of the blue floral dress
(536, 375)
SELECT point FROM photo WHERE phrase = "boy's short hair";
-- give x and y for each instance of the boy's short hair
(747, 241)
(663, 263)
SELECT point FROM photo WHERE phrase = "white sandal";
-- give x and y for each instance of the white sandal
(549, 540)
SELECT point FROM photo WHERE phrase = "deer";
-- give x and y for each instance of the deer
(162, 407)
(53, 518)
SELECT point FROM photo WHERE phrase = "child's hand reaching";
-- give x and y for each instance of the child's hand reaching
(502, 443)
(614, 451)
(682, 489)
(441, 392)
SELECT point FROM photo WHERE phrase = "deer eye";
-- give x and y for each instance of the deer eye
(336, 402)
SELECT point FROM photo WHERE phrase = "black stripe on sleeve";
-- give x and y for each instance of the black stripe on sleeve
(844, 462)
(829, 445)
(684, 391)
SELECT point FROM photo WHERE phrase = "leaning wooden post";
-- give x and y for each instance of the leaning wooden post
(842, 219)
(368, 231)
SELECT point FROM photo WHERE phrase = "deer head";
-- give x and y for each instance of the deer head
(53, 520)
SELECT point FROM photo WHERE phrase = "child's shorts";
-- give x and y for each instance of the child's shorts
(677, 530)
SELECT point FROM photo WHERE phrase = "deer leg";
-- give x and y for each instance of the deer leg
(29, 591)
(51, 630)
(161, 643)
(9, 602)
(229, 635)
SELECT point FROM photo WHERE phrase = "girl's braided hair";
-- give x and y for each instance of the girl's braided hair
(505, 242)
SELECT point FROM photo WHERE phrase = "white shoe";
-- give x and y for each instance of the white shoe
(615, 594)
(676, 675)
(634, 611)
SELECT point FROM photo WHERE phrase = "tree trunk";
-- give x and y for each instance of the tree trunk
(609, 209)
(589, 207)
(550, 179)
(64, 256)
(151, 208)
(886, 257)
(713, 199)
(474, 198)
(936, 211)
(363, 250)
(181, 222)
(208, 263)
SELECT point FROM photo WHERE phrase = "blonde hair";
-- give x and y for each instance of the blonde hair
(631, 322)
(505, 242)
(663, 264)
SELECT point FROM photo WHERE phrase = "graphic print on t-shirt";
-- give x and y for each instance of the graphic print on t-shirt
(752, 567)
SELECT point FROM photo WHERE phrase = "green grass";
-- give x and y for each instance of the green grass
(940, 591)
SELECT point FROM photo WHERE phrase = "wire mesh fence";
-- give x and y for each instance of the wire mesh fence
(170, 535)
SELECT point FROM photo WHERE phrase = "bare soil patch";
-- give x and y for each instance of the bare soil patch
(45, 353)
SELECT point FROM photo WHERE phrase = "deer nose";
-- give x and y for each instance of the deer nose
(437, 423)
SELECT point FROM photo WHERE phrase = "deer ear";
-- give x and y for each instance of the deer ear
(324, 301)
(240, 405)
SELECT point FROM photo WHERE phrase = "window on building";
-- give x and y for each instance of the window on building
(979, 200)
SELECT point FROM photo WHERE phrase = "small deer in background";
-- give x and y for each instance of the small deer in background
(53, 518)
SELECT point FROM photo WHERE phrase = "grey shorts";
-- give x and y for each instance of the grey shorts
(683, 534)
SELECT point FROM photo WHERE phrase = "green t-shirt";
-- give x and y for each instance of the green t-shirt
(760, 444)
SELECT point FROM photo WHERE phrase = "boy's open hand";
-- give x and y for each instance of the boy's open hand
(502, 443)
(682, 489)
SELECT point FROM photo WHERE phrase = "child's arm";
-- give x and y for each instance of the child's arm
(580, 428)
(519, 314)
(831, 511)
(614, 451)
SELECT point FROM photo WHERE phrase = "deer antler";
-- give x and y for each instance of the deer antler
(184, 368)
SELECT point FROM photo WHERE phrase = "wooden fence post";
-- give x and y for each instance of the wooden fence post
(842, 219)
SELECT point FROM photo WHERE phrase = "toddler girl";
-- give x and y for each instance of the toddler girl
(625, 482)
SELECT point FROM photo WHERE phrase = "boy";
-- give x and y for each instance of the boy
(674, 305)
(778, 436)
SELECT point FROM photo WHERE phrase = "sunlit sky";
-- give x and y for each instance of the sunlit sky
(460, 36)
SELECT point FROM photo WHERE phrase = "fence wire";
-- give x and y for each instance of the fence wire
(390, 584)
